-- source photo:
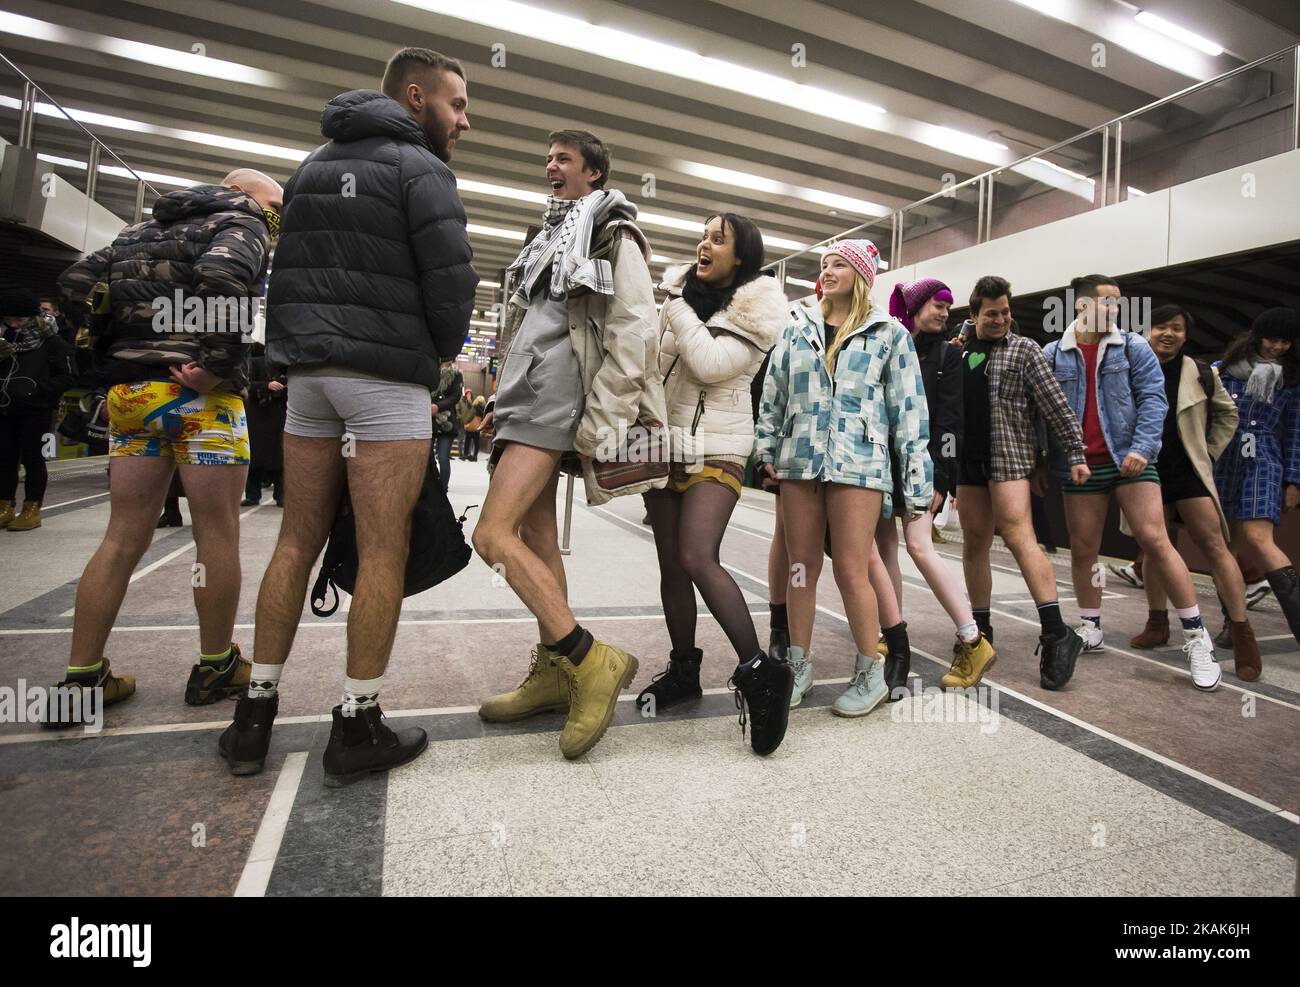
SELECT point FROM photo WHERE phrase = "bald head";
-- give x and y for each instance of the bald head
(264, 189)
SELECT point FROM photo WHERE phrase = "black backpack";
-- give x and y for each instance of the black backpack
(438, 548)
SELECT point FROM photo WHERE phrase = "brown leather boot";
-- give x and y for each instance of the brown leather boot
(1245, 651)
(1156, 631)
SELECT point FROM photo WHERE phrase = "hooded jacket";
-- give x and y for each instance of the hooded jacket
(708, 367)
(841, 430)
(373, 267)
(208, 242)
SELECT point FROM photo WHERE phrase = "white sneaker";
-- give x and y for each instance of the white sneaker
(1200, 656)
(803, 677)
(1126, 573)
(1256, 593)
(1093, 639)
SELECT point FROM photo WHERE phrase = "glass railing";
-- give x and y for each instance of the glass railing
(31, 118)
(1242, 116)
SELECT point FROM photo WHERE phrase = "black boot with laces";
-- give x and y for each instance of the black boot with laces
(675, 684)
(763, 689)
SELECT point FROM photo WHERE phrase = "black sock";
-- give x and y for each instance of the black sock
(574, 645)
(984, 619)
(1049, 615)
(896, 638)
(779, 620)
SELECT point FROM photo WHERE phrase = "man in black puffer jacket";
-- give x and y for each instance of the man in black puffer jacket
(372, 291)
(182, 293)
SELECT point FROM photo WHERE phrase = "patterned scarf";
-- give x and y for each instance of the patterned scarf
(32, 334)
(563, 245)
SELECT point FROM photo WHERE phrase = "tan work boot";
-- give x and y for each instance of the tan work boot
(1155, 633)
(543, 690)
(594, 686)
(66, 710)
(1245, 651)
(6, 512)
(28, 518)
(969, 663)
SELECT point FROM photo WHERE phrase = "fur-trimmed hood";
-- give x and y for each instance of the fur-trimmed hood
(757, 313)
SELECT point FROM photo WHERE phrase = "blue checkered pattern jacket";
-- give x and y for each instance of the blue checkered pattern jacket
(1250, 486)
(811, 427)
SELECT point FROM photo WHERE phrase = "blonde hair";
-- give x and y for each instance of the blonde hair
(859, 310)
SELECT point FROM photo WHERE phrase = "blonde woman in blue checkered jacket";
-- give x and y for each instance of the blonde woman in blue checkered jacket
(843, 394)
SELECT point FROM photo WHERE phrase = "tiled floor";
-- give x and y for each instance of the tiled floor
(1129, 782)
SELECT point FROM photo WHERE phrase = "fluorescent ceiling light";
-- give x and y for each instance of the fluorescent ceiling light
(611, 43)
(170, 58)
(90, 118)
(741, 179)
(801, 283)
(489, 284)
(500, 191)
(1044, 171)
(495, 231)
(1171, 30)
(119, 172)
(1135, 192)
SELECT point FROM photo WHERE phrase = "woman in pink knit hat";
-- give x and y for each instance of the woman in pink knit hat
(843, 399)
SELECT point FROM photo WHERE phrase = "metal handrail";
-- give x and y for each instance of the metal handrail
(57, 105)
(950, 192)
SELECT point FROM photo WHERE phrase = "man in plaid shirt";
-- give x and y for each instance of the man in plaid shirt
(1007, 388)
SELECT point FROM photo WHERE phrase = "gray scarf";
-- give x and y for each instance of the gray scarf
(1263, 377)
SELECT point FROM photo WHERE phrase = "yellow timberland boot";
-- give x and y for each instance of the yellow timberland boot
(594, 685)
(28, 518)
(969, 663)
(543, 690)
(6, 512)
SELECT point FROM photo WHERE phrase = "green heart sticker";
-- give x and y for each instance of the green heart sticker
(973, 360)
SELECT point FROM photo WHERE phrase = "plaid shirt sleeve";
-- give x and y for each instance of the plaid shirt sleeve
(1050, 400)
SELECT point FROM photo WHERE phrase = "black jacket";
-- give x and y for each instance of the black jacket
(941, 371)
(209, 242)
(34, 380)
(373, 266)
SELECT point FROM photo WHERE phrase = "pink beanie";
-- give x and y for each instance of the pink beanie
(910, 297)
(862, 256)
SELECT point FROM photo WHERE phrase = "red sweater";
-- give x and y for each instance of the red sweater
(1094, 440)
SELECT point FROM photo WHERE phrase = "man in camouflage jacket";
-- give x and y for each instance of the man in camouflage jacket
(182, 290)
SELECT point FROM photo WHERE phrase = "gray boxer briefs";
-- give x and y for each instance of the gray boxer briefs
(371, 410)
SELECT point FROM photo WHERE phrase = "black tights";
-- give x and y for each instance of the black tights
(22, 437)
(688, 533)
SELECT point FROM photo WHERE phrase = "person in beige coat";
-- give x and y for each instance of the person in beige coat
(720, 318)
(1202, 420)
(580, 372)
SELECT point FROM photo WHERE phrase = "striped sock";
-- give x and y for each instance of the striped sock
(1191, 618)
(217, 660)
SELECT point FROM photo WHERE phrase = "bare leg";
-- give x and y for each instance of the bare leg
(138, 486)
(942, 580)
(213, 493)
(804, 505)
(385, 480)
(852, 513)
(1258, 537)
(1202, 522)
(1011, 513)
(975, 512)
(1141, 504)
(541, 534)
(882, 584)
(522, 473)
(1085, 517)
(778, 562)
(887, 549)
(313, 486)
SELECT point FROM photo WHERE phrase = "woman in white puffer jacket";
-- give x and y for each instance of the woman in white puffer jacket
(721, 317)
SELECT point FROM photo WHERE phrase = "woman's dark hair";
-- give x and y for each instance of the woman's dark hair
(1167, 313)
(748, 249)
(1245, 344)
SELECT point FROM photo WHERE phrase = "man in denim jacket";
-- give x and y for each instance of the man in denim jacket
(1115, 385)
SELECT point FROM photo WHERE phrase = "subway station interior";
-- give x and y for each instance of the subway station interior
(1035, 140)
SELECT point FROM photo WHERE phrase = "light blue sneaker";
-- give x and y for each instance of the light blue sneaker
(866, 691)
(801, 665)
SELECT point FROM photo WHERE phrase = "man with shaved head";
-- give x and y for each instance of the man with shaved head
(178, 293)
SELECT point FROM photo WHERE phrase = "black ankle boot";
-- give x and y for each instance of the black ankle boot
(364, 743)
(676, 683)
(1286, 587)
(245, 742)
(763, 691)
(898, 661)
(778, 644)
